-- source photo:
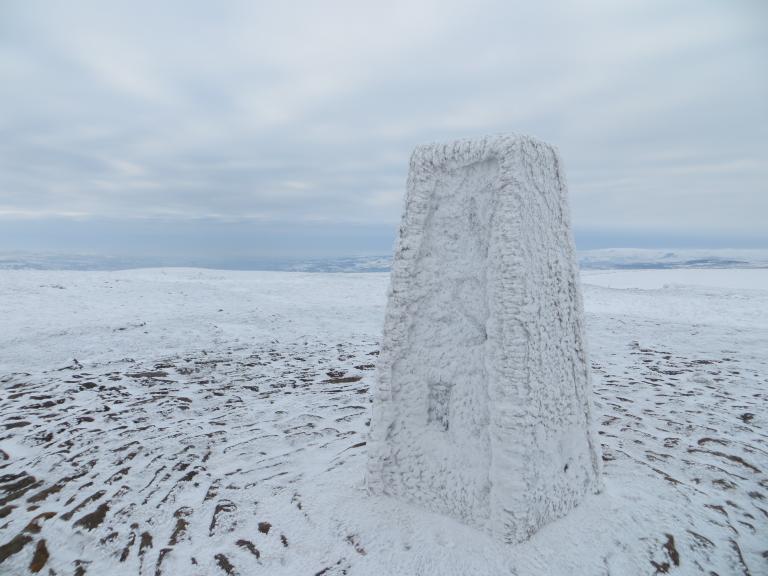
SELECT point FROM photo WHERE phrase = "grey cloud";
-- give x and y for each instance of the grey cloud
(306, 112)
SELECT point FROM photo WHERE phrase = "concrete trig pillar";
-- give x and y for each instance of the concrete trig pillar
(482, 405)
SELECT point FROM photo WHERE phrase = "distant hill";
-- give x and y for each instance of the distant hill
(633, 258)
(605, 259)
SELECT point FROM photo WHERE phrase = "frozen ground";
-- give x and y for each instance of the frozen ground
(202, 422)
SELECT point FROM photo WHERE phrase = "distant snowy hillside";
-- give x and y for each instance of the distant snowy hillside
(633, 258)
(614, 258)
(52, 261)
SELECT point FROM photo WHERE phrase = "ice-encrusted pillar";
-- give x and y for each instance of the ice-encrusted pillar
(482, 408)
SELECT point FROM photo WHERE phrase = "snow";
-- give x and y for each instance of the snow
(258, 385)
(756, 279)
(103, 316)
(482, 404)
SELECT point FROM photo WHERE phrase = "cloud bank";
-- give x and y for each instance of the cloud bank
(266, 119)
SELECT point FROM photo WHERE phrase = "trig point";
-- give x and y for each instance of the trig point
(482, 409)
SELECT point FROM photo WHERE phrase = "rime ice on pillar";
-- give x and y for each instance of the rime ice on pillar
(482, 409)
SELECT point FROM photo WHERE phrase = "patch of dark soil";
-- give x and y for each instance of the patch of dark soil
(717, 508)
(346, 380)
(118, 475)
(160, 558)
(74, 366)
(224, 507)
(213, 490)
(131, 539)
(724, 484)
(248, 545)
(15, 546)
(40, 557)
(92, 498)
(327, 568)
(703, 441)
(145, 542)
(180, 530)
(19, 424)
(34, 525)
(264, 527)
(672, 552)
(355, 542)
(189, 476)
(43, 494)
(224, 563)
(94, 519)
(731, 457)
(742, 564)
(149, 374)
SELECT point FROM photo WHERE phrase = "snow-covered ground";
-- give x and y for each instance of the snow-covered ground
(184, 421)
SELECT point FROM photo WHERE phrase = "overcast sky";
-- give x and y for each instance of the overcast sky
(284, 128)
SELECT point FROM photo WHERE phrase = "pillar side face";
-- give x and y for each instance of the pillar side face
(481, 410)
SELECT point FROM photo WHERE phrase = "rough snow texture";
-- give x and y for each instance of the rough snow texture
(206, 404)
(482, 410)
